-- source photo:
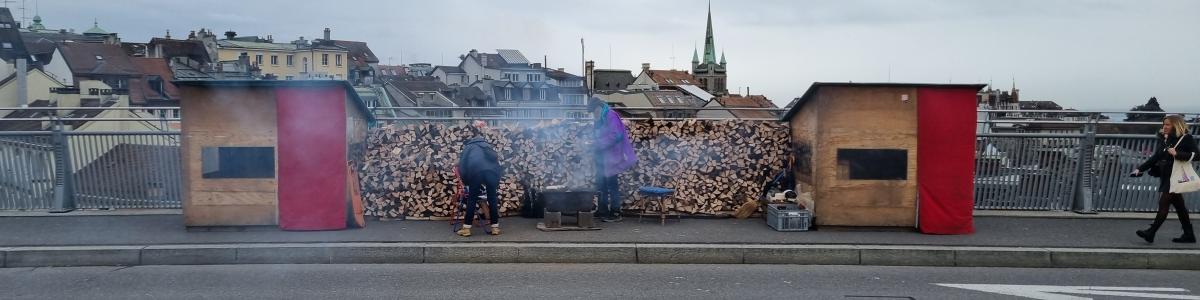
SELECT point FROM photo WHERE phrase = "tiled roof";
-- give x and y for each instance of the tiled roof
(449, 69)
(11, 37)
(23, 114)
(181, 48)
(560, 75)
(752, 101)
(672, 99)
(98, 59)
(140, 89)
(612, 79)
(360, 56)
(673, 77)
(142, 169)
(256, 45)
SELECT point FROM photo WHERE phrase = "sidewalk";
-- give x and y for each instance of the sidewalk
(990, 231)
(999, 242)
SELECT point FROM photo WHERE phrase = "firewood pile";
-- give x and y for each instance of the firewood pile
(715, 166)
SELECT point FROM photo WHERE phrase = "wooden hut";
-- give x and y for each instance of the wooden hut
(887, 154)
(268, 152)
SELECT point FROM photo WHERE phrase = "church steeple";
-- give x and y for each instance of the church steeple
(695, 57)
(710, 47)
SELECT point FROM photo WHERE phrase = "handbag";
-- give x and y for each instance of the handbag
(1183, 176)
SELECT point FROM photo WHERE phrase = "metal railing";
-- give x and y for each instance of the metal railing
(61, 170)
(1083, 171)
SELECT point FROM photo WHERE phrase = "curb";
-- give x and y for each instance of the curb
(407, 253)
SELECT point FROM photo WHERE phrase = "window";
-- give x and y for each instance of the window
(533, 77)
(872, 164)
(5, 25)
(542, 94)
(572, 100)
(7, 45)
(337, 59)
(291, 60)
(291, 77)
(275, 60)
(258, 59)
(507, 94)
(527, 94)
(324, 59)
(237, 162)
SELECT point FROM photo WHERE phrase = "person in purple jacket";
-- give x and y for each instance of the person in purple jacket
(614, 154)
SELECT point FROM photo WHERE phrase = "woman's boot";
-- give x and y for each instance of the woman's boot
(1148, 233)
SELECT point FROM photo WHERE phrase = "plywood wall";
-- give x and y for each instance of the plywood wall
(229, 117)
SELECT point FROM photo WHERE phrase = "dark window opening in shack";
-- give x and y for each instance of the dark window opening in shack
(873, 164)
(237, 162)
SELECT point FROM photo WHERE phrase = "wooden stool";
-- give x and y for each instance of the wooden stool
(663, 197)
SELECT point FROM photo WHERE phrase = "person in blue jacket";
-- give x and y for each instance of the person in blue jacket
(479, 166)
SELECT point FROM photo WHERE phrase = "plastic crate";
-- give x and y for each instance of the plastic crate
(788, 217)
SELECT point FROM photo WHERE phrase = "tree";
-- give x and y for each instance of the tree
(1151, 105)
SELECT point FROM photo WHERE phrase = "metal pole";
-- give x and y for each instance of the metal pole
(1085, 174)
(64, 187)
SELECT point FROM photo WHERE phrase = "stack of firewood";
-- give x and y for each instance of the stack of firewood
(714, 165)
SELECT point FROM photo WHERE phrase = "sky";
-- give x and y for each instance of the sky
(1084, 54)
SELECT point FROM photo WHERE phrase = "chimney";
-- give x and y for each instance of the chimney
(645, 67)
(22, 83)
(229, 35)
(589, 70)
(244, 61)
(326, 33)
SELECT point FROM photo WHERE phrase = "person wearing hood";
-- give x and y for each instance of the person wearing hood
(613, 154)
(479, 166)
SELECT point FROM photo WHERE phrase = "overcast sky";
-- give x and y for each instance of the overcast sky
(1083, 54)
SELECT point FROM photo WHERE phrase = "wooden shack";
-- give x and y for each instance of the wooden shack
(269, 152)
(887, 154)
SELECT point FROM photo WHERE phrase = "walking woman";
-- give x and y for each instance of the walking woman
(614, 154)
(1174, 144)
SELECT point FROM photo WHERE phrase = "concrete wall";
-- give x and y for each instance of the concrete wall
(227, 117)
(296, 70)
(862, 118)
(643, 82)
(58, 69)
(39, 85)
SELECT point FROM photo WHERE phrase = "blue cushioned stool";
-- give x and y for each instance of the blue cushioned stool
(662, 198)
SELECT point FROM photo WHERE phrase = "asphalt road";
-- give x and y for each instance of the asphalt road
(550, 281)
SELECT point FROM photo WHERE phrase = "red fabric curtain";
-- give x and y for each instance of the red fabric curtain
(946, 160)
(312, 158)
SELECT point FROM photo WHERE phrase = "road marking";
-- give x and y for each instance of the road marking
(1054, 292)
